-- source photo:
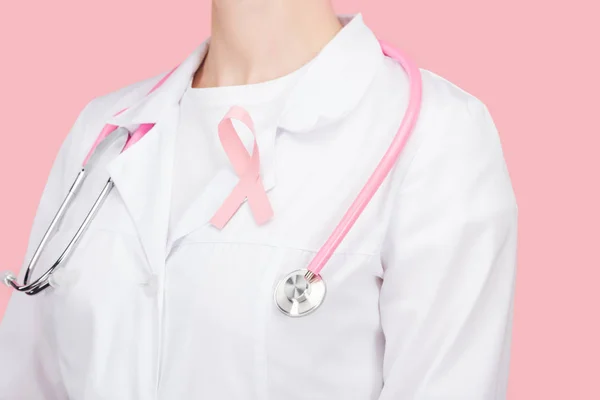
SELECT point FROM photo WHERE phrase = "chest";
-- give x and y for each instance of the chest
(209, 302)
(311, 180)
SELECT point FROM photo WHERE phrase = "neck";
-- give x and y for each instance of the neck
(254, 41)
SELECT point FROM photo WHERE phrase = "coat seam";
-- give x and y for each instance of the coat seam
(312, 251)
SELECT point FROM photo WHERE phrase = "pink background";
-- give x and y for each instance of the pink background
(534, 63)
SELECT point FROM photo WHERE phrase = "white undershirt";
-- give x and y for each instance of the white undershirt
(198, 151)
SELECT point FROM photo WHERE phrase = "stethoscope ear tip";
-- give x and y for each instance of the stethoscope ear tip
(8, 278)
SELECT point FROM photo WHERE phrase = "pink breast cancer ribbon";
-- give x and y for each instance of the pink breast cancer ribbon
(247, 167)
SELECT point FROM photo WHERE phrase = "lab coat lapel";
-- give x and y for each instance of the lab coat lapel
(143, 176)
(143, 173)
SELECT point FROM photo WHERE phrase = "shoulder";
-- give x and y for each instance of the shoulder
(441, 98)
(456, 143)
(449, 116)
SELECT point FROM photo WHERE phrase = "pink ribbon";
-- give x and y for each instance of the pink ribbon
(247, 167)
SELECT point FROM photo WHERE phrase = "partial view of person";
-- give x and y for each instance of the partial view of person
(208, 268)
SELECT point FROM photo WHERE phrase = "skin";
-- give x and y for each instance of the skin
(255, 41)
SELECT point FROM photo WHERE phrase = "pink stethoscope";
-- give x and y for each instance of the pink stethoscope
(300, 292)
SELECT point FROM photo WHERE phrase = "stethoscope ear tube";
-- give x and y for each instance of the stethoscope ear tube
(26, 287)
(43, 281)
(110, 136)
(118, 138)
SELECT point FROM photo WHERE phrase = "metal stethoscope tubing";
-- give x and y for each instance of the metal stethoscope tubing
(43, 281)
(110, 137)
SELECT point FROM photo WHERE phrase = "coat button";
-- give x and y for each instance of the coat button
(150, 286)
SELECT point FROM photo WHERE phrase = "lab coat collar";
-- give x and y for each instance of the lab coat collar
(332, 86)
(151, 107)
(336, 80)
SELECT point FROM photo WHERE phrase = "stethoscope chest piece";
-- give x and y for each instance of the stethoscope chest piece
(300, 293)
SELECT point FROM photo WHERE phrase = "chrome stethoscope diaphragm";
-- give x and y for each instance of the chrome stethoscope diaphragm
(300, 293)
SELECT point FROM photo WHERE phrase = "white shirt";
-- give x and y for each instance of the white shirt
(419, 302)
(198, 151)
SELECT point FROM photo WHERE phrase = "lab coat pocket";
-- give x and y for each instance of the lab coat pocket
(97, 306)
(66, 274)
(100, 262)
(98, 247)
(108, 254)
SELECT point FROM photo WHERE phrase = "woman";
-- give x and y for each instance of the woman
(169, 296)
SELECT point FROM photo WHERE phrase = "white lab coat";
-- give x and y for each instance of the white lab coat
(419, 302)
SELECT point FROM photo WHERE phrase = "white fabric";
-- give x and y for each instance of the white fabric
(198, 151)
(419, 302)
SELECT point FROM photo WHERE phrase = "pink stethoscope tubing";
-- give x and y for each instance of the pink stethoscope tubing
(383, 168)
(301, 292)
